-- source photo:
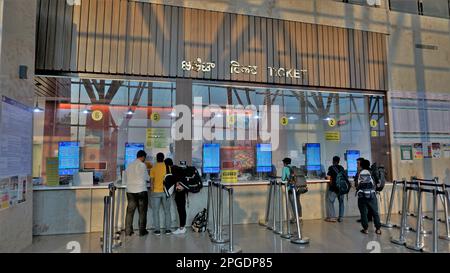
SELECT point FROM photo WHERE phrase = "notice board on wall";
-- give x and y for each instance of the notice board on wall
(16, 138)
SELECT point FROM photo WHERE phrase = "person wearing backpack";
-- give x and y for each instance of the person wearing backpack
(355, 179)
(338, 187)
(287, 175)
(180, 197)
(367, 200)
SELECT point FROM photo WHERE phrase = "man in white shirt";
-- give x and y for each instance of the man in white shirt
(137, 196)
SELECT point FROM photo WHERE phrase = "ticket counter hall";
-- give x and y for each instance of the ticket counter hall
(87, 84)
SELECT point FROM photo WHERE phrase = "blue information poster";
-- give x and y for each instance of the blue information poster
(131, 150)
(313, 156)
(263, 157)
(68, 157)
(352, 156)
(211, 158)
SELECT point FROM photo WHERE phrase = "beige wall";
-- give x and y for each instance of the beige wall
(17, 47)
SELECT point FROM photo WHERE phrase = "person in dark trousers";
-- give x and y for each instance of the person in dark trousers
(355, 179)
(180, 198)
(333, 193)
(367, 199)
(137, 196)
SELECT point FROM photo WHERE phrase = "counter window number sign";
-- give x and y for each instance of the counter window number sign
(373, 123)
(284, 121)
(97, 115)
(155, 117)
(332, 122)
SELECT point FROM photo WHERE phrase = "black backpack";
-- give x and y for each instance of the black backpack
(342, 183)
(200, 221)
(190, 179)
(298, 180)
(379, 176)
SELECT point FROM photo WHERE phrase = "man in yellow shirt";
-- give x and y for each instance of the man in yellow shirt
(157, 195)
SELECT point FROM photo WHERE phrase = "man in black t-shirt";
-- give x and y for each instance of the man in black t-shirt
(332, 192)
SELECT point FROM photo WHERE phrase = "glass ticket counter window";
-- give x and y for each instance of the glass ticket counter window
(313, 126)
(100, 124)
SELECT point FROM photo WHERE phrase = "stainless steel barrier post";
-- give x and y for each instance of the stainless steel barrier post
(435, 224)
(288, 234)
(216, 223)
(447, 228)
(219, 238)
(105, 243)
(388, 223)
(274, 211)
(269, 196)
(279, 230)
(231, 247)
(115, 236)
(402, 240)
(272, 207)
(298, 239)
(418, 245)
(208, 208)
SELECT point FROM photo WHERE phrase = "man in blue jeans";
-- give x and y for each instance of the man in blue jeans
(332, 192)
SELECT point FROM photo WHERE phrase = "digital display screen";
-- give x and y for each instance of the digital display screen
(352, 156)
(313, 157)
(263, 157)
(211, 158)
(131, 150)
(68, 157)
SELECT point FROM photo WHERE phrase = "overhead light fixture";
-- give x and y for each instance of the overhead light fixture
(36, 108)
(327, 118)
(130, 112)
(173, 114)
(291, 118)
(86, 111)
(256, 117)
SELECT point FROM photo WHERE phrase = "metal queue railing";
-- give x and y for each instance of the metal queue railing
(215, 208)
(276, 209)
(110, 239)
(422, 186)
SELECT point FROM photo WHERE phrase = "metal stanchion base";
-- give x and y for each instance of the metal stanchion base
(300, 241)
(223, 241)
(235, 249)
(269, 228)
(277, 232)
(398, 242)
(414, 247)
(286, 236)
(444, 237)
(387, 225)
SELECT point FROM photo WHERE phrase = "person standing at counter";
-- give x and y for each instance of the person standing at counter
(286, 175)
(137, 196)
(180, 197)
(158, 196)
(367, 199)
(355, 179)
(333, 192)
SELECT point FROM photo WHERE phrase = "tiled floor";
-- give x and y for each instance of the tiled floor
(324, 237)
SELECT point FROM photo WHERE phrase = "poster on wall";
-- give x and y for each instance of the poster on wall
(157, 138)
(446, 149)
(4, 193)
(52, 164)
(436, 150)
(22, 189)
(426, 150)
(16, 138)
(13, 191)
(406, 152)
(418, 151)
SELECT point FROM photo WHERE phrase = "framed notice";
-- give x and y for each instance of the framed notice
(418, 151)
(406, 153)
(436, 150)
